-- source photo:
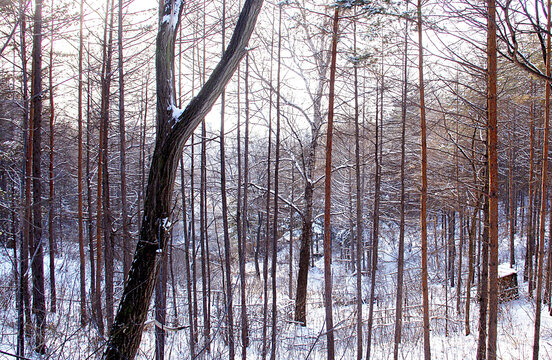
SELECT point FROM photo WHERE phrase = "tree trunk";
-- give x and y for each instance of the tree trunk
(93, 278)
(51, 240)
(24, 298)
(451, 245)
(276, 190)
(400, 260)
(245, 226)
(373, 256)
(471, 255)
(493, 180)
(538, 297)
(483, 282)
(267, 224)
(127, 258)
(191, 313)
(327, 198)
(227, 267)
(107, 218)
(161, 308)
(82, 272)
(35, 245)
(26, 190)
(423, 212)
(174, 127)
(529, 244)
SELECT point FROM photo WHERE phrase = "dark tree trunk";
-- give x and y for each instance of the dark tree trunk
(373, 256)
(451, 227)
(89, 215)
(423, 211)
(400, 260)
(127, 257)
(51, 240)
(276, 190)
(540, 268)
(82, 272)
(173, 129)
(161, 308)
(471, 256)
(327, 197)
(244, 225)
(483, 284)
(530, 240)
(24, 300)
(267, 223)
(493, 179)
(35, 245)
(191, 312)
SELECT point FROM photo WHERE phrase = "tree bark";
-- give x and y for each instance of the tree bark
(127, 257)
(51, 240)
(276, 189)
(400, 260)
(173, 129)
(35, 245)
(191, 313)
(538, 297)
(327, 197)
(423, 212)
(82, 268)
(493, 179)
(24, 298)
(107, 218)
(373, 256)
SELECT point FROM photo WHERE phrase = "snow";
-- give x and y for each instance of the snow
(505, 270)
(66, 340)
(172, 18)
(176, 113)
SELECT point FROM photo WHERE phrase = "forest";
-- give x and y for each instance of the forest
(303, 179)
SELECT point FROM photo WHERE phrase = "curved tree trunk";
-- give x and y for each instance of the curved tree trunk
(174, 127)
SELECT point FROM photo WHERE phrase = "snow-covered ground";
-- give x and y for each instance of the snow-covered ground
(66, 340)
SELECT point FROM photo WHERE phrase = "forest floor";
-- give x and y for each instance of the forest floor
(66, 340)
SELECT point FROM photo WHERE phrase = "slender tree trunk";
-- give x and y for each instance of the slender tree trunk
(327, 197)
(161, 308)
(373, 257)
(451, 245)
(245, 226)
(89, 215)
(527, 273)
(203, 239)
(493, 181)
(35, 246)
(51, 240)
(127, 258)
(358, 185)
(483, 282)
(471, 255)
(511, 195)
(82, 272)
(267, 224)
(423, 212)
(24, 298)
(227, 261)
(258, 243)
(291, 223)
(538, 298)
(191, 313)
(400, 261)
(240, 229)
(276, 190)
(205, 262)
